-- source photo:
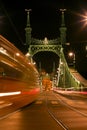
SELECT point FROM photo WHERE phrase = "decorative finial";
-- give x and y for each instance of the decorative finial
(28, 19)
(62, 10)
(28, 10)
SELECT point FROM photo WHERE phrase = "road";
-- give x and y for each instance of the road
(51, 110)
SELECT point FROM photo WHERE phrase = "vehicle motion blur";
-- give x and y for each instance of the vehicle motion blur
(18, 75)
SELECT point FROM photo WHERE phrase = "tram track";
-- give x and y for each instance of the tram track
(63, 107)
(71, 107)
(54, 117)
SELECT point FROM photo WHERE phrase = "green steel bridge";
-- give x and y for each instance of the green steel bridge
(67, 77)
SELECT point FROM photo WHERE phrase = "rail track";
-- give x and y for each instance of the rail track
(67, 116)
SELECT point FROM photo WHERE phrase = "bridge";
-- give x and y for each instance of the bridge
(66, 77)
(19, 87)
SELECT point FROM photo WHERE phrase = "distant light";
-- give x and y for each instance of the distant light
(67, 43)
(84, 19)
(71, 54)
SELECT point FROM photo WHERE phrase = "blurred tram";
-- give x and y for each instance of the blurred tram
(17, 73)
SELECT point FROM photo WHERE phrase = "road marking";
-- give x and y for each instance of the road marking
(54, 102)
(5, 104)
(38, 102)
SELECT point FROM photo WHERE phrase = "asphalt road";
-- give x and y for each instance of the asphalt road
(54, 111)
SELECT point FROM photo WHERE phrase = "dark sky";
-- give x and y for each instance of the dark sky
(45, 19)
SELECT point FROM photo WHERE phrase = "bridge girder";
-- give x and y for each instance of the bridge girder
(33, 49)
(65, 77)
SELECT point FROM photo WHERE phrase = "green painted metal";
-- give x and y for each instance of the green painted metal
(28, 29)
(63, 29)
(33, 49)
(65, 77)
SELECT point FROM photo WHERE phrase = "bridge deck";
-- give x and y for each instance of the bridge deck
(32, 117)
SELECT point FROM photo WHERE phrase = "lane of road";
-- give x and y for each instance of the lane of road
(70, 110)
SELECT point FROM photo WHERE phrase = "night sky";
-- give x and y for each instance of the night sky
(45, 19)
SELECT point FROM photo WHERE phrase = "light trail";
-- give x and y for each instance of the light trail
(10, 93)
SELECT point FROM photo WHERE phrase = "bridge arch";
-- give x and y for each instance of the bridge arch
(46, 61)
(36, 45)
(65, 77)
(33, 49)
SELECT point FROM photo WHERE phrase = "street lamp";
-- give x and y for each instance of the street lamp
(71, 54)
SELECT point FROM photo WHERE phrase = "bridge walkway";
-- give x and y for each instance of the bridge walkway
(79, 77)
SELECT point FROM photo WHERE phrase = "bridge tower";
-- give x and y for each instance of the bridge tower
(28, 28)
(36, 45)
(65, 79)
(63, 29)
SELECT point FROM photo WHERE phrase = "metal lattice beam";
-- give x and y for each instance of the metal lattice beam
(33, 49)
